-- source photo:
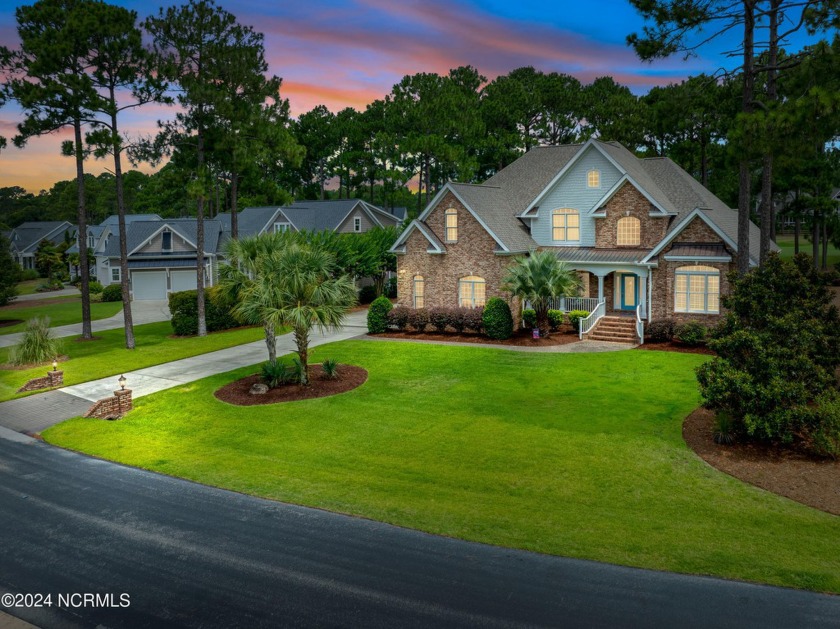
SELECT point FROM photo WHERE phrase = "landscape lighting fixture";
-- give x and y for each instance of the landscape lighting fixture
(55, 363)
(122, 382)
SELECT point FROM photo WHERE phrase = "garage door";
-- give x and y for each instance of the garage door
(148, 285)
(183, 280)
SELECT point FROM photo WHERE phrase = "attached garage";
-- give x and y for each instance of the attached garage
(148, 285)
(183, 280)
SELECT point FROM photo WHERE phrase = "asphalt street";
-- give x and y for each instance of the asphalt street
(187, 555)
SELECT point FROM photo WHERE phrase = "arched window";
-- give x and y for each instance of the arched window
(451, 225)
(629, 231)
(593, 178)
(471, 292)
(697, 289)
(565, 225)
(419, 292)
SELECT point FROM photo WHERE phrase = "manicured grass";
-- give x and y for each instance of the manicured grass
(63, 313)
(91, 360)
(28, 287)
(571, 454)
(785, 242)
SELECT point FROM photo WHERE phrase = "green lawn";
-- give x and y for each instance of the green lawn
(105, 357)
(785, 242)
(570, 454)
(28, 287)
(63, 313)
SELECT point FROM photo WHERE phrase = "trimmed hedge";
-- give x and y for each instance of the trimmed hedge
(661, 330)
(556, 318)
(497, 319)
(529, 318)
(398, 317)
(575, 316)
(691, 333)
(377, 318)
(112, 292)
(184, 308)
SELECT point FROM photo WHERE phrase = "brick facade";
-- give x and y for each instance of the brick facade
(111, 407)
(473, 254)
(628, 201)
(664, 275)
(52, 380)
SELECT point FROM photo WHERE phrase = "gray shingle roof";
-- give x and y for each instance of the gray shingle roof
(140, 231)
(32, 232)
(492, 206)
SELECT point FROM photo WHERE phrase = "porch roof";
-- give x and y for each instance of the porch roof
(698, 250)
(589, 255)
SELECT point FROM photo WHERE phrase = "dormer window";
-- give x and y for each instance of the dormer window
(357, 223)
(451, 225)
(629, 231)
(281, 227)
(593, 178)
(166, 242)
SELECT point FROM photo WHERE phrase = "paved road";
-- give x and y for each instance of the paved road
(70, 291)
(194, 556)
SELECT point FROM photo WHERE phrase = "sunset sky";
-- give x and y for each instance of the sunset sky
(349, 52)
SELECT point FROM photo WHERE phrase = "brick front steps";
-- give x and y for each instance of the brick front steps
(614, 329)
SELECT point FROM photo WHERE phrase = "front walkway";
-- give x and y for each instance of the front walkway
(141, 312)
(38, 412)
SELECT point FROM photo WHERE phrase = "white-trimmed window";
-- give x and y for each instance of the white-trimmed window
(166, 241)
(357, 223)
(115, 274)
(697, 289)
(419, 291)
(593, 178)
(281, 227)
(451, 225)
(629, 231)
(471, 292)
(565, 225)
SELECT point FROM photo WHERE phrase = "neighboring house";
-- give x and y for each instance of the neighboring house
(25, 238)
(98, 237)
(645, 236)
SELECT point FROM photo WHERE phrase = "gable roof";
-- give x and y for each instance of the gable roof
(139, 232)
(435, 245)
(27, 235)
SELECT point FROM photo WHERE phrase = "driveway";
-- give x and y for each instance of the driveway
(187, 555)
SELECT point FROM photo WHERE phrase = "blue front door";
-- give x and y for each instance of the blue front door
(629, 284)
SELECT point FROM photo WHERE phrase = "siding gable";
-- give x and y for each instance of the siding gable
(156, 245)
(346, 226)
(572, 192)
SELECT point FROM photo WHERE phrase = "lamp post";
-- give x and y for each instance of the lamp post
(55, 363)
(122, 382)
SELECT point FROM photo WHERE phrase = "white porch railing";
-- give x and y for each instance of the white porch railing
(640, 325)
(589, 322)
(567, 304)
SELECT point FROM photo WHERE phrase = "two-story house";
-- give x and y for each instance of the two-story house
(646, 238)
(25, 238)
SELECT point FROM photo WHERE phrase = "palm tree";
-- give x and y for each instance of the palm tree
(538, 278)
(276, 281)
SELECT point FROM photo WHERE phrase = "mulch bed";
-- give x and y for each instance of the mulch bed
(673, 346)
(520, 338)
(788, 472)
(349, 377)
(5, 323)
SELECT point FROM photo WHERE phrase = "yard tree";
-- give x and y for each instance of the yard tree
(9, 273)
(120, 66)
(539, 278)
(612, 112)
(276, 281)
(193, 44)
(48, 76)
(674, 26)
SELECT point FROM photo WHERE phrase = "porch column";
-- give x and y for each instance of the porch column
(600, 287)
(643, 295)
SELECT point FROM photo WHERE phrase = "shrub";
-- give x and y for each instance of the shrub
(529, 318)
(95, 287)
(391, 288)
(367, 294)
(330, 368)
(398, 317)
(37, 345)
(184, 308)
(274, 374)
(660, 331)
(95, 298)
(575, 316)
(474, 319)
(440, 318)
(49, 285)
(112, 292)
(497, 319)
(418, 319)
(377, 318)
(556, 318)
(29, 274)
(691, 333)
(823, 423)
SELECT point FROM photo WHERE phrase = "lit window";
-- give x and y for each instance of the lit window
(451, 218)
(471, 292)
(593, 178)
(357, 224)
(419, 292)
(115, 274)
(629, 231)
(281, 227)
(565, 225)
(697, 289)
(167, 241)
